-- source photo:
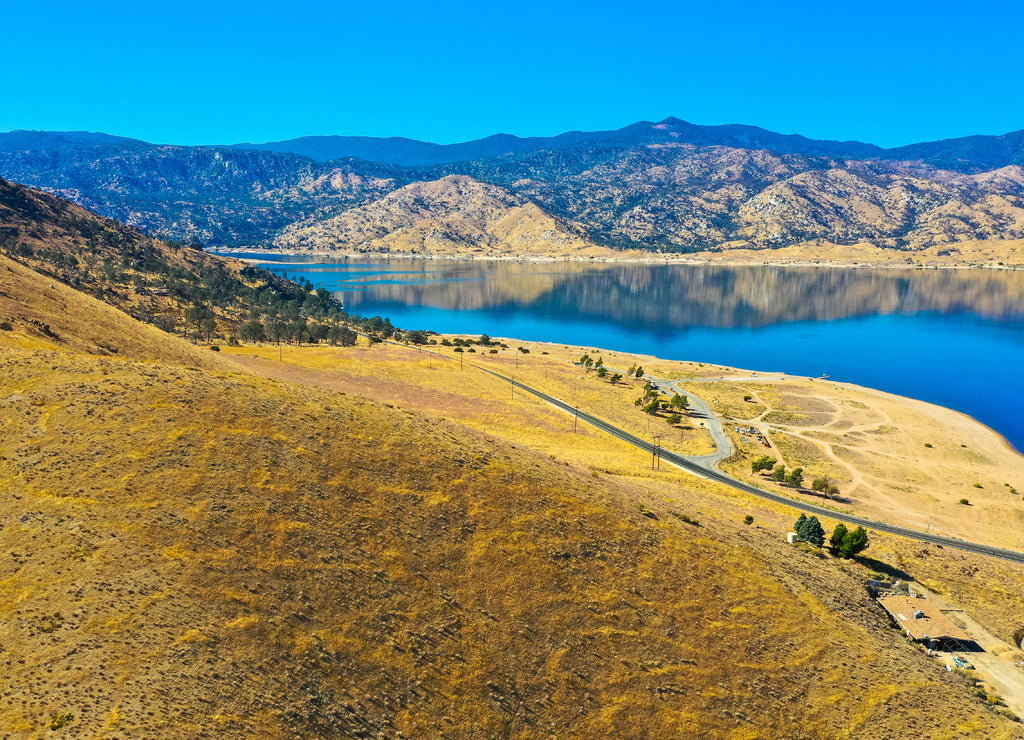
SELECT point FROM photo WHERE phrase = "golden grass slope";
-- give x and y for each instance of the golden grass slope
(205, 553)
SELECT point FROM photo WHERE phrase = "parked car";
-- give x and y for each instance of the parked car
(961, 663)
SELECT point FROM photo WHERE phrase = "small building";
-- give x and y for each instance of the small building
(924, 622)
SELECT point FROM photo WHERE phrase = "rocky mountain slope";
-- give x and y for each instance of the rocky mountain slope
(453, 215)
(193, 550)
(669, 186)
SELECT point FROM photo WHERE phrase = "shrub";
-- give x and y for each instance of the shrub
(6, 326)
(748, 398)
(977, 485)
(965, 502)
(59, 720)
(748, 519)
(928, 444)
(214, 348)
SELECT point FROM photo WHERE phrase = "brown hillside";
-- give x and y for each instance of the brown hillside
(453, 215)
(198, 553)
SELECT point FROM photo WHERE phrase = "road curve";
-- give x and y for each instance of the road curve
(719, 477)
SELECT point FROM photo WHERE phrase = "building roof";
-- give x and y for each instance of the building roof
(921, 618)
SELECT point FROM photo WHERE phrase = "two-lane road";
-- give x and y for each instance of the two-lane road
(707, 471)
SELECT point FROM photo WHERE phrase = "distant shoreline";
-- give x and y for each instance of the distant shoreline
(629, 259)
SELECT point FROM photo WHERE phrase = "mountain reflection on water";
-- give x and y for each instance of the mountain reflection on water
(678, 296)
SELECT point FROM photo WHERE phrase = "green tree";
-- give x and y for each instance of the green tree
(208, 326)
(779, 473)
(615, 378)
(795, 477)
(652, 407)
(814, 532)
(809, 529)
(252, 331)
(639, 372)
(674, 419)
(825, 486)
(836, 540)
(418, 336)
(854, 541)
(602, 372)
(848, 542)
(762, 463)
(679, 402)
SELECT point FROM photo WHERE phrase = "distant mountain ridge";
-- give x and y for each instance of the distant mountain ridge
(409, 152)
(668, 186)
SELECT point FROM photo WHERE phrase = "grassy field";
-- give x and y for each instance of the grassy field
(304, 542)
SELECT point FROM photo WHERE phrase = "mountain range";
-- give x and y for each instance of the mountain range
(669, 186)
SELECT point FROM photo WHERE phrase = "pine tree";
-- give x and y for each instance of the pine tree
(836, 540)
(799, 526)
(814, 533)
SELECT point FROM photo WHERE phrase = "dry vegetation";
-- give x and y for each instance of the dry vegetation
(194, 550)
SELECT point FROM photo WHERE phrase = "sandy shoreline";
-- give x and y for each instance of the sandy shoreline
(627, 258)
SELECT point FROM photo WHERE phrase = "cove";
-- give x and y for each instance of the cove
(949, 337)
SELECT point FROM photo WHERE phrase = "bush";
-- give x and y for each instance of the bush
(6, 326)
(748, 398)
(748, 519)
(214, 348)
(965, 502)
(59, 720)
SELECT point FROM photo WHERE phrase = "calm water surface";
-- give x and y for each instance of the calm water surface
(951, 337)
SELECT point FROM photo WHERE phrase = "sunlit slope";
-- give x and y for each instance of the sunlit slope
(190, 552)
(44, 313)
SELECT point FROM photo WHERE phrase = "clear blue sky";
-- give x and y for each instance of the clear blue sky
(189, 72)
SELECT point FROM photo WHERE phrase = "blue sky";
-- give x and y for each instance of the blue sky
(224, 72)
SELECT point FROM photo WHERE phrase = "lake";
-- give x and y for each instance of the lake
(951, 337)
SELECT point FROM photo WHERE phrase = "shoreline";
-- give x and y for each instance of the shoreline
(766, 376)
(687, 260)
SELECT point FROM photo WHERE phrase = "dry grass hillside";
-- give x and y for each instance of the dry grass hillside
(193, 550)
(455, 215)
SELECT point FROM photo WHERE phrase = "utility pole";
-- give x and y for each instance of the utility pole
(656, 452)
(575, 419)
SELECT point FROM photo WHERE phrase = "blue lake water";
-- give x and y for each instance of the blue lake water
(950, 337)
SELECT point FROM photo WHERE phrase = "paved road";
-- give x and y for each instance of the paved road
(709, 473)
(700, 409)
